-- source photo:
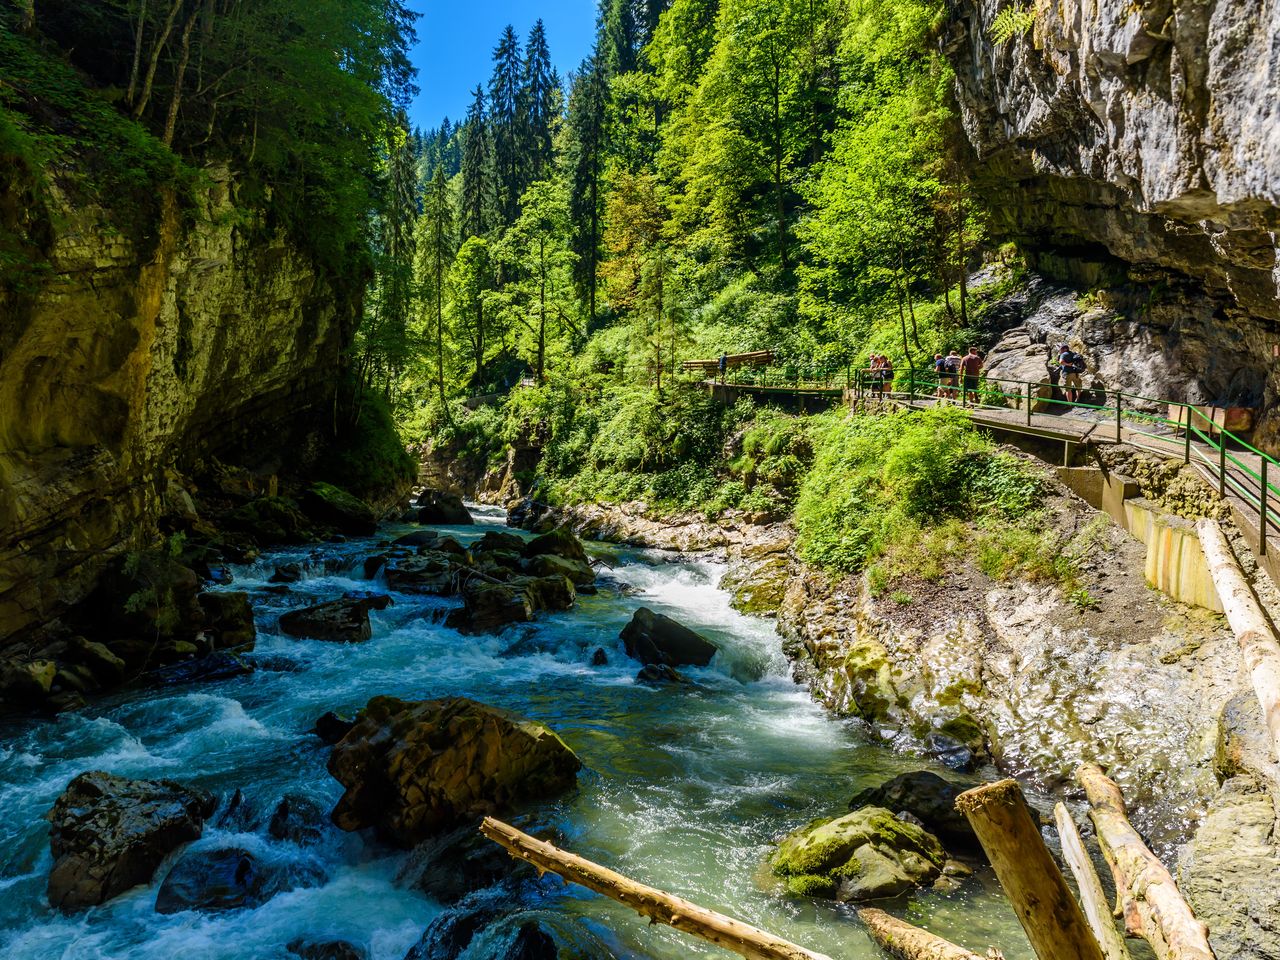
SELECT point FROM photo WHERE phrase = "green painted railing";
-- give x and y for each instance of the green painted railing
(1218, 449)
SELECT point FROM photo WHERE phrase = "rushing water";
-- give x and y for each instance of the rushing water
(683, 788)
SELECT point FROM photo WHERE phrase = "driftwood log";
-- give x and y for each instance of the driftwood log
(902, 940)
(1092, 897)
(1252, 629)
(659, 907)
(1149, 899)
(1009, 834)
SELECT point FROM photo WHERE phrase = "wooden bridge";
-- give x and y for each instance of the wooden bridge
(1202, 437)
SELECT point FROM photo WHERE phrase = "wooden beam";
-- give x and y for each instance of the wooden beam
(1253, 630)
(902, 940)
(659, 907)
(1151, 904)
(1009, 834)
(1092, 897)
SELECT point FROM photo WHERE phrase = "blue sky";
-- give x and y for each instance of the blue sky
(456, 40)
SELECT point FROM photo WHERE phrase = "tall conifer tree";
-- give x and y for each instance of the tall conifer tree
(477, 171)
(539, 96)
(504, 114)
(584, 165)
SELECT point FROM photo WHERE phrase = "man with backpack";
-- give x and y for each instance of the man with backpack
(1072, 365)
(970, 367)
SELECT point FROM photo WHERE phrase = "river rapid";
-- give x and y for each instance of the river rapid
(683, 788)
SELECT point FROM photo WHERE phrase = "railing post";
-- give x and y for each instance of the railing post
(1028, 403)
(1186, 456)
(1119, 402)
(1262, 512)
(911, 386)
(1222, 463)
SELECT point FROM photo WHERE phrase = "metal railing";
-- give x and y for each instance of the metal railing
(1168, 427)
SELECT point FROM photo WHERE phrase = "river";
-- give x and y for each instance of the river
(683, 788)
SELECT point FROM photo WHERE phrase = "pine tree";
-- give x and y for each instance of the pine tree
(477, 171)
(435, 249)
(504, 115)
(584, 164)
(538, 102)
(617, 32)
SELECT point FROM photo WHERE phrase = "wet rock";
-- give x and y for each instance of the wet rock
(342, 621)
(499, 540)
(654, 638)
(447, 545)
(432, 573)
(526, 513)
(950, 752)
(451, 933)
(488, 607)
(211, 881)
(599, 658)
(219, 576)
(758, 584)
(108, 834)
(297, 819)
(487, 932)
(326, 950)
(559, 542)
(864, 855)
(454, 864)
(413, 769)
(24, 682)
(924, 795)
(101, 662)
(286, 573)
(239, 814)
(419, 538)
(332, 727)
(442, 508)
(659, 674)
(337, 508)
(228, 616)
(1242, 743)
(272, 519)
(218, 665)
(579, 572)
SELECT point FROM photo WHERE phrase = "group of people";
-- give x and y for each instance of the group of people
(952, 368)
(880, 369)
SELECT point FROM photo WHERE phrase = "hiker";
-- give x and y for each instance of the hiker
(970, 366)
(886, 375)
(873, 372)
(953, 371)
(723, 364)
(1072, 365)
(940, 371)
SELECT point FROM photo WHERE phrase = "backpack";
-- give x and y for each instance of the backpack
(952, 364)
(1072, 362)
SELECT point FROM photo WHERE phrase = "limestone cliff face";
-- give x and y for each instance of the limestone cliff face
(204, 334)
(1144, 137)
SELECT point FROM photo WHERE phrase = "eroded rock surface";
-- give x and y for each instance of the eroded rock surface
(654, 638)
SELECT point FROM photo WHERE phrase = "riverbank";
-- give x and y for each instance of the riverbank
(1031, 678)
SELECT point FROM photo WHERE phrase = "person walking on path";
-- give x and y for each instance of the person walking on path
(971, 367)
(723, 364)
(1073, 366)
(940, 372)
(886, 375)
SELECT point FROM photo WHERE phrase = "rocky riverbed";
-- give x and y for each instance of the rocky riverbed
(1018, 675)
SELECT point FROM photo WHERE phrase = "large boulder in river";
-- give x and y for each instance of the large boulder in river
(432, 572)
(211, 881)
(864, 855)
(336, 508)
(488, 607)
(108, 834)
(342, 621)
(414, 769)
(653, 638)
(435, 506)
(926, 796)
(551, 565)
(560, 542)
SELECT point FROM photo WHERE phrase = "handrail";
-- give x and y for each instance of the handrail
(917, 382)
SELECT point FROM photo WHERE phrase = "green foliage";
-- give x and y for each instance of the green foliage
(1013, 21)
(367, 457)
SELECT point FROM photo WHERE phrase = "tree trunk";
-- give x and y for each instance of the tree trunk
(1049, 914)
(961, 264)
(175, 101)
(1153, 908)
(1092, 897)
(154, 62)
(900, 939)
(27, 18)
(1252, 629)
(139, 32)
(743, 939)
(779, 204)
(542, 307)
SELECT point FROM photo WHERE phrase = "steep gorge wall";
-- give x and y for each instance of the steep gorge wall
(202, 333)
(1140, 140)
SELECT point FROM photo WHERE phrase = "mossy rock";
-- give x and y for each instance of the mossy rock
(965, 728)
(865, 855)
(870, 678)
(271, 520)
(337, 508)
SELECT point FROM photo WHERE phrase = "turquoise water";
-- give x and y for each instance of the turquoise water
(683, 788)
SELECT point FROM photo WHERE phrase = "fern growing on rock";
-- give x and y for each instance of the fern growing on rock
(1013, 21)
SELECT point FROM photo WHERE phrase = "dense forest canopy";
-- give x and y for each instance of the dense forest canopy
(732, 175)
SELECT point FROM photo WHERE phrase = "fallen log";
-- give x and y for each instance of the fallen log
(906, 942)
(1092, 897)
(1149, 899)
(1253, 631)
(1054, 923)
(659, 907)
